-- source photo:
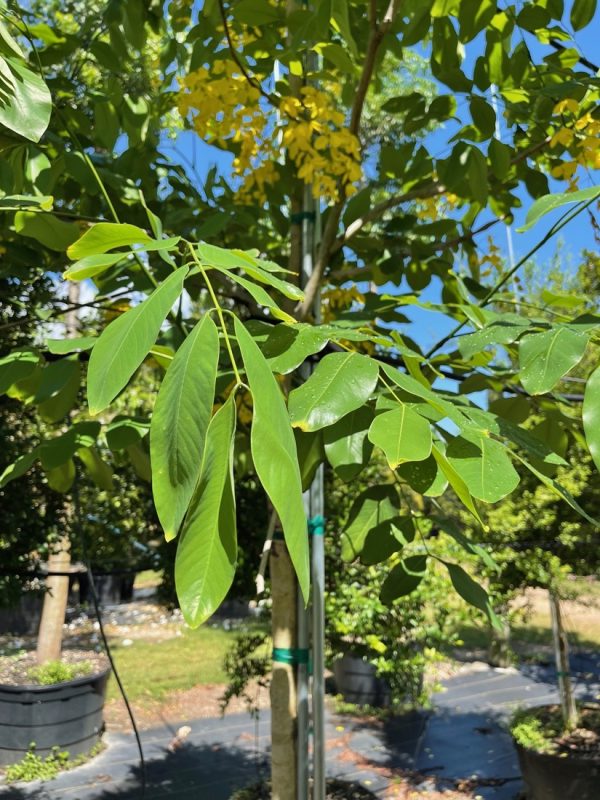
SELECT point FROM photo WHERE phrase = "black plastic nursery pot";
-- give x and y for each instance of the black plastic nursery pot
(356, 680)
(67, 715)
(549, 776)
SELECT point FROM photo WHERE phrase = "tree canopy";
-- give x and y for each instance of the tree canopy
(203, 278)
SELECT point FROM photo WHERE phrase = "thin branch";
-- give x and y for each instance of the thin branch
(582, 59)
(264, 558)
(429, 190)
(234, 54)
(328, 239)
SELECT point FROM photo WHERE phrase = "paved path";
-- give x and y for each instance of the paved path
(462, 737)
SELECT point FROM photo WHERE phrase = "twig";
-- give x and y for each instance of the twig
(250, 78)
(328, 239)
(264, 558)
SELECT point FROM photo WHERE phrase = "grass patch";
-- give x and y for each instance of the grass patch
(154, 668)
(148, 579)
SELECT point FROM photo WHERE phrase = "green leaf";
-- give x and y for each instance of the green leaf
(274, 453)
(15, 202)
(123, 432)
(474, 16)
(55, 452)
(515, 434)
(140, 461)
(386, 539)
(550, 202)
(545, 357)
(62, 347)
(340, 17)
(105, 236)
(99, 471)
(347, 444)
(402, 434)
(309, 447)
(91, 266)
(591, 415)
(46, 229)
(424, 477)
(472, 592)
(556, 487)
(450, 527)
(258, 269)
(484, 466)
(62, 396)
(124, 344)
(257, 12)
(403, 579)
(375, 505)
(18, 468)
(582, 13)
(262, 297)
(456, 482)
(341, 383)
(16, 366)
(26, 103)
(499, 331)
(484, 116)
(61, 478)
(207, 549)
(287, 346)
(179, 423)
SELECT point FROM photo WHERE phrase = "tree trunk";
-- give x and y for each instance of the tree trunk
(49, 644)
(561, 655)
(500, 653)
(283, 682)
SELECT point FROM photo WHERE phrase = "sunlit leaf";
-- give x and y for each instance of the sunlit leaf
(207, 549)
(124, 343)
(179, 423)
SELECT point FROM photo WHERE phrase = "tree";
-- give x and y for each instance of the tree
(395, 217)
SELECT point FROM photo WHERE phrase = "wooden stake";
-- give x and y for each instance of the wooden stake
(561, 655)
(283, 682)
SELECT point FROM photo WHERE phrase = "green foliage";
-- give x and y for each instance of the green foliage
(38, 768)
(57, 672)
(410, 222)
(206, 555)
(247, 663)
(534, 733)
(124, 344)
(179, 424)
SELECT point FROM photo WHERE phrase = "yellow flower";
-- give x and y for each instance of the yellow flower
(563, 136)
(568, 104)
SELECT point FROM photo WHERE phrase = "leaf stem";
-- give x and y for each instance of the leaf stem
(219, 311)
(564, 220)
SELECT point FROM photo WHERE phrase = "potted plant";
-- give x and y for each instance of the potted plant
(559, 745)
(48, 698)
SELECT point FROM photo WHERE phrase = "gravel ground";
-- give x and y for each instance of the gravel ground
(14, 670)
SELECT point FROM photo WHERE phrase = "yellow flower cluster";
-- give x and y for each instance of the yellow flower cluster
(580, 137)
(226, 110)
(326, 154)
(432, 208)
(338, 298)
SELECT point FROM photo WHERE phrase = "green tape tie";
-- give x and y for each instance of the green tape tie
(290, 655)
(563, 674)
(316, 526)
(297, 219)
